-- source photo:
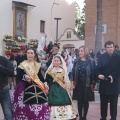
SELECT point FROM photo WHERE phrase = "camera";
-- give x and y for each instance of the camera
(108, 79)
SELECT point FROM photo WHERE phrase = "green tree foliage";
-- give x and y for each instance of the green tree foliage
(80, 21)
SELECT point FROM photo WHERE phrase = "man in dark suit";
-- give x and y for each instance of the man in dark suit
(108, 71)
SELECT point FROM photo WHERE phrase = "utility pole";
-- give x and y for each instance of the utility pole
(57, 28)
(54, 3)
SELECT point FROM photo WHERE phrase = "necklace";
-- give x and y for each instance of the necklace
(32, 63)
(56, 69)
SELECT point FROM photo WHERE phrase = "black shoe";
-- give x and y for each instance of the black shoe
(81, 119)
(84, 118)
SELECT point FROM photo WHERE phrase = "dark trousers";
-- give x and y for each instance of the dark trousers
(104, 100)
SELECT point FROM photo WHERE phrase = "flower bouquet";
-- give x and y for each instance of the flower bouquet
(20, 38)
(15, 47)
(23, 47)
(33, 43)
(8, 52)
(8, 38)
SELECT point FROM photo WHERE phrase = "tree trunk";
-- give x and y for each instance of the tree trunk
(98, 39)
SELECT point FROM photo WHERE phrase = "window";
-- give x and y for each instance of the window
(42, 26)
(68, 34)
(104, 29)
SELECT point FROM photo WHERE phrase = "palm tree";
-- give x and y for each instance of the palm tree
(98, 38)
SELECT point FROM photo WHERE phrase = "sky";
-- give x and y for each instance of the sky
(80, 2)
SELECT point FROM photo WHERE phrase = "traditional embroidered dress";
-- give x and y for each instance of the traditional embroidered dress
(60, 102)
(29, 101)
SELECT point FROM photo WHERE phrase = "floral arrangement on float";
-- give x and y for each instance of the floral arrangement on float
(33, 43)
(8, 50)
(15, 47)
(8, 38)
(12, 45)
(20, 38)
(23, 47)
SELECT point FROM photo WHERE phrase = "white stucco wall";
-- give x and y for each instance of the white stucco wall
(76, 43)
(6, 21)
(74, 40)
(73, 35)
(42, 11)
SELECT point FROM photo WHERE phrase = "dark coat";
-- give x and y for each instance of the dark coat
(83, 91)
(19, 59)
(6, 70)
(90, 74)
(109, 65)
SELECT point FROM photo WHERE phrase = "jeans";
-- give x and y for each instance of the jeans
(5, 101)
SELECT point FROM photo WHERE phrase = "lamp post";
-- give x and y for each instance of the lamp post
(57, 28)
(51, 17)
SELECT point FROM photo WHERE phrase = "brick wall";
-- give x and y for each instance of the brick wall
(110, 17)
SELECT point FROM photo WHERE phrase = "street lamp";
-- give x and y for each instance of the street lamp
(57, 28)
(51, 17)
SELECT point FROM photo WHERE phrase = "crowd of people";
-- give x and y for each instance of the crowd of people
(45, 86)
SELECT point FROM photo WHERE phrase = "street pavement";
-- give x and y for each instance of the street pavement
(94, 110)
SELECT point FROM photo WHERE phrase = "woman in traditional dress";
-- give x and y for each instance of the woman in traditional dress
(29, 100)
(58, 96)
(83, 81)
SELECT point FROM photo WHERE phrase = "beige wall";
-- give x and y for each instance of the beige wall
(74, 39)
(42, 11)
(6, 21)
(76, 43)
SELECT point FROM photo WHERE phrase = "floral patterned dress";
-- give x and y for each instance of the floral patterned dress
(60, 103)
(28, 100)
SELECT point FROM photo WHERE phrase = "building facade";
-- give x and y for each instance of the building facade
(110, 22)
(70, 39)
(33, 18)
